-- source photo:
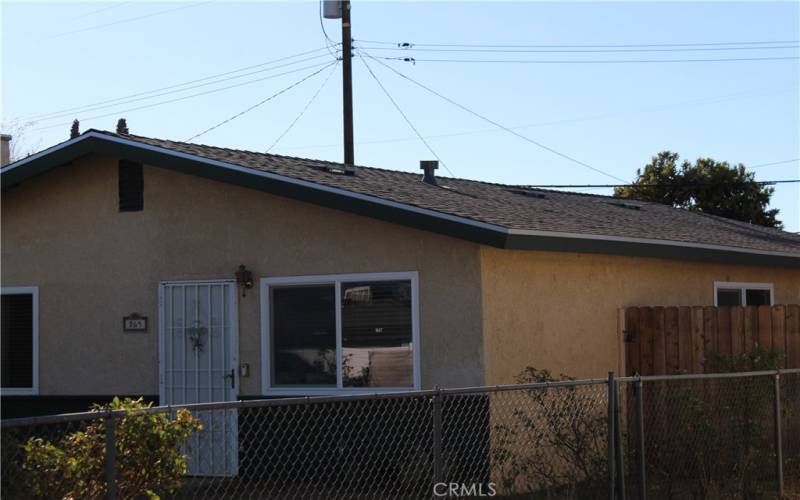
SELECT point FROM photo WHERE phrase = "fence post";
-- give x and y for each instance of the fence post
(778, 440)
(640, 438)
(620, 456)
(111, 456)
(611, 436)
(437, 437)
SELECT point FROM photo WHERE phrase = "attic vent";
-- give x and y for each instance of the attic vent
(624, 204)
(131, 186)
(528, 193)
(331, 168)
(456, 191)
(336, 170)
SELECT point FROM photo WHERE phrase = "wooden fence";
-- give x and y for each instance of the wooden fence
(670, 340)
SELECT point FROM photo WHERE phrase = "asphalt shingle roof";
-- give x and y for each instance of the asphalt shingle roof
(503, 205)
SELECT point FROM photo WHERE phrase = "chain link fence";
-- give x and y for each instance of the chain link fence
(697, 436)
(712, 437)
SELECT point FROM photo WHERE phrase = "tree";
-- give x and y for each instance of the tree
(22, 144)
(706, 186)
(75, 130)
(122, 126)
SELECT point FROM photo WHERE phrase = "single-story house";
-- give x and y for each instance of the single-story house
(187, 273)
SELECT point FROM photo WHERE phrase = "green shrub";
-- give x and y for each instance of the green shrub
(148, 448)
(762, 359)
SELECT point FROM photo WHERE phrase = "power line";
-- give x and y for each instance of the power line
(496, 124)
(696, 101)
(305, 108)
(328, 41)
(211, 77)
(97, 11)
(782, 162)
(169, 101)
(699, 44)
(184, 89)
(696, 184)
(254, 106)
(588, 61)
(127, 20)
(559, 51)
(408, 121)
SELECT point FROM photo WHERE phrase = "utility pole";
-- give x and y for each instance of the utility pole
(347, 86)
(340, 9)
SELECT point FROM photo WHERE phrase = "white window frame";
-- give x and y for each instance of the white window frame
(743, 287)
(34, 390)
(336, 280)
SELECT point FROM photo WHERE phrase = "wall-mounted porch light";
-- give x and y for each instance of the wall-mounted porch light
(244, 279)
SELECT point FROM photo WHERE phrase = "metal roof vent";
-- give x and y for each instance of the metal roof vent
(429, 167)
(625, 204)
(528, 193)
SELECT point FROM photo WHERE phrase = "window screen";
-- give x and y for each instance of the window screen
(16, 341)
(131, 186)
(304, 335)
(376, 334)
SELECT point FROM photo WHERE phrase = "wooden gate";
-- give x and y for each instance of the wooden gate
(670, 340)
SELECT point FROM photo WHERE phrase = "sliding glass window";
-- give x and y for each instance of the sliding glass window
(340, 333)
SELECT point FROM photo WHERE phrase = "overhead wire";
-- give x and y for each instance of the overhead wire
(588, 61)
(168, 87)
(97, 11)
(329, 42)
(582, 51)
(183, 89)
(694, 184)
(263, 101)
(190, 96)
(405, 117)
(627, 45)
(496, 124)
(771, 164)
(127, 20)
(305, 108)
(696, 101)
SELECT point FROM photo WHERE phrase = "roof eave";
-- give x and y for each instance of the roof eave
(379, 208)
(661, 249)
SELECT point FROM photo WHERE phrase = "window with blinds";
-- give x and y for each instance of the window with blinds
(17, 341)
(376, 334)
(304, 338)
(341, 332)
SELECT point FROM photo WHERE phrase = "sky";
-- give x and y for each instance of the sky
(598, 122)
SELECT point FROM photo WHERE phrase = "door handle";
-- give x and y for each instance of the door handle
(232, 376)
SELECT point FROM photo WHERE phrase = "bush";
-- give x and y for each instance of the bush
(761, 359)
(713, 438)
(149, 458)
(555, 444)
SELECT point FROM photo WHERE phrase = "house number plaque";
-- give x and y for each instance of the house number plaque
(134, 323)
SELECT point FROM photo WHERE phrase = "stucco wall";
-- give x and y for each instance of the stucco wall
(93, 265)
(560, 311)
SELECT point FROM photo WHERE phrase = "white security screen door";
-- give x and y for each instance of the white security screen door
(198, 358)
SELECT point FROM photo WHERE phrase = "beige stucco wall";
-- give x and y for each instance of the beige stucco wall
(560, 311)
(93, 265)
